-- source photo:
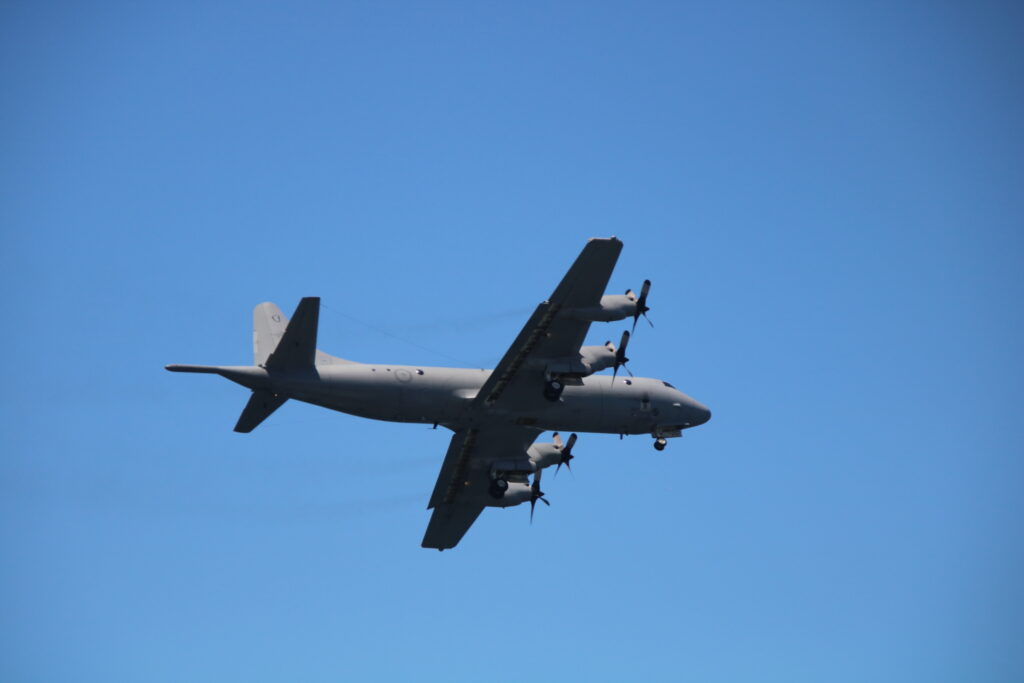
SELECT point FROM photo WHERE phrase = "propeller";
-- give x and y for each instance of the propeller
(566, 451)
(641, 303)
(620, 355)
(536, 494)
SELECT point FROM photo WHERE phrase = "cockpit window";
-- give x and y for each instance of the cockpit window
(668, 385)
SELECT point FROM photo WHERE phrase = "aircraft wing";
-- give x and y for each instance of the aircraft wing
(462, 486)
(552, 333)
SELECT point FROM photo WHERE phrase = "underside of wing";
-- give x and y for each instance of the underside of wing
(556, 330)
(449, 524)
(492, 441)
(462, 488)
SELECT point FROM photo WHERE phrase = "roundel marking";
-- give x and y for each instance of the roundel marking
(403, 375)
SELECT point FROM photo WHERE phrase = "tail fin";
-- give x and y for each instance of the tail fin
(270, 327)
(278, 345)
(297, 346)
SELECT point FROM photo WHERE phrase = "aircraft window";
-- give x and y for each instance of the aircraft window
(419, 372)
(627, 381)
(668, 385)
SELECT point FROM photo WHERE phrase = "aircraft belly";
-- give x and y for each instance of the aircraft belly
(627, 415)
(431, 405)
(599, 407)
(396, 394)
(355, 392)
(580, 409)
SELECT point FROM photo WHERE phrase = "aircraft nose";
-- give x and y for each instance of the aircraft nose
(698, 413)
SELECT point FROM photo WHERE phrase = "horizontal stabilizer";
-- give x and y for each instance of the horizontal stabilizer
(268, 323)
(260, 406)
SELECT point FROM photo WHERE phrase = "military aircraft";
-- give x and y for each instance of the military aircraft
(544, 382)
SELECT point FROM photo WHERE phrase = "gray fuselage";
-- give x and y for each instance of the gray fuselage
(433, 395)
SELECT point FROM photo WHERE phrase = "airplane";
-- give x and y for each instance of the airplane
(546, 381)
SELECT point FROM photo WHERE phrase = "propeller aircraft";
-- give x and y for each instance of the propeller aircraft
(546, 381)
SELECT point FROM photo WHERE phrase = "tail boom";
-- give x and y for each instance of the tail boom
(283, 349)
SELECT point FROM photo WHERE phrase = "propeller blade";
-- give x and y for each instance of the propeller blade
(641, 305)
(533, 505)
(536, 494)
(620, 356)
(566, 454)
(621, 352)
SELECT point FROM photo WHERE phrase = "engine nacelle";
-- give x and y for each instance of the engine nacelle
(513, 467)
(591, 359)
(515, 494)
(544, 455)
(597, 358)
(612, 307)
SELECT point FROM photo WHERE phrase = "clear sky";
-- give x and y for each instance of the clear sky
(828, 197)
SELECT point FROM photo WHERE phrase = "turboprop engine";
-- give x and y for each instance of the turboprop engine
(617, 307)
(597, 358)
(516, 493)
(591, 359)
(554, 453)
(509, 477)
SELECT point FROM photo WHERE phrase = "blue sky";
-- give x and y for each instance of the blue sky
(827, 199)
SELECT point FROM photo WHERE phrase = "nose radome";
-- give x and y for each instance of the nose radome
(699, 412)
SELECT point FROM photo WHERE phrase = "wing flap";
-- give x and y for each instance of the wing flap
(453, 469)
(532, 334)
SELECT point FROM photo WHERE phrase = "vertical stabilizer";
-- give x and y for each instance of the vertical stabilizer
(268, 329)
(297, 346)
